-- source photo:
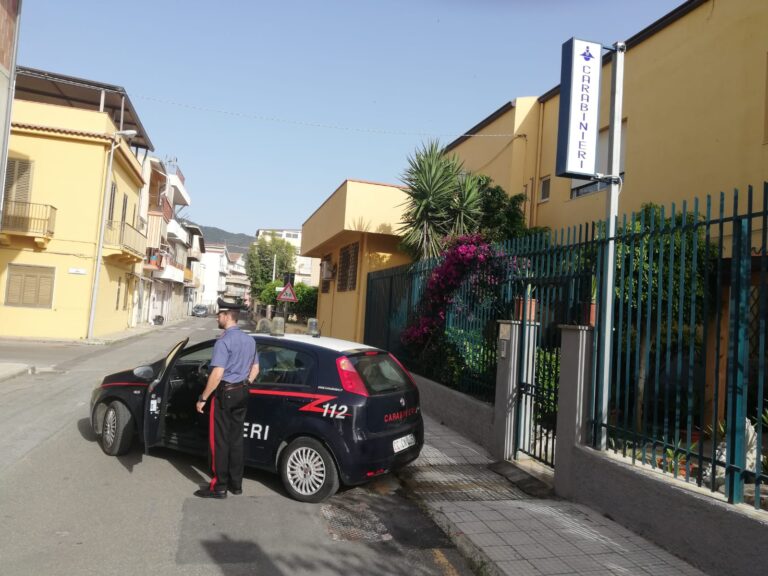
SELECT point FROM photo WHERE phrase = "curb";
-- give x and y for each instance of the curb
(17, 370)
(482, 564)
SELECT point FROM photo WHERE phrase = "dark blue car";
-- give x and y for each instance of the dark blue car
(322, 411)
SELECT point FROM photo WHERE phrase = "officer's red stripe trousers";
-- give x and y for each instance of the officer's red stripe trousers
(212, 442)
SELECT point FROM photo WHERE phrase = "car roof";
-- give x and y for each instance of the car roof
(333, 344)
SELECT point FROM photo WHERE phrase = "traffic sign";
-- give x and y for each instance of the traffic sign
(287, 295)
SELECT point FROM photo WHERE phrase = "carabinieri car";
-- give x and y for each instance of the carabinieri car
(322, 411)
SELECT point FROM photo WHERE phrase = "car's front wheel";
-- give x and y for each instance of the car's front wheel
(116, 429)
(308, 471)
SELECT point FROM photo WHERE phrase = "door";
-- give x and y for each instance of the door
(278, 400)
(156, 399)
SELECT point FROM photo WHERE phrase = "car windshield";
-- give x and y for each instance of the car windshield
(380, 373)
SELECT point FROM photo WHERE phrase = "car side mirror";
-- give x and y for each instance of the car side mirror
(144, 373)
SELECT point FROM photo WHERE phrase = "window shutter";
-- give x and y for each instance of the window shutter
(30, 286)
(13, 294)
(18, 180)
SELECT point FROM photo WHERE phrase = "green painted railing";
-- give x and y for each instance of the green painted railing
(687, 369)
(687, 386)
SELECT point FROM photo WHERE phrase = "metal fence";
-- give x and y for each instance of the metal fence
(687, 369)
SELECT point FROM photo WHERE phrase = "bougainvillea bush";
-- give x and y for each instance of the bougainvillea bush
(468, 258)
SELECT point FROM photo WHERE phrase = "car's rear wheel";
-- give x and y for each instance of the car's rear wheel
(116, 429)
(308, 471)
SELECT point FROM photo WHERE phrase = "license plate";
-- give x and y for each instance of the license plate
(402, 443)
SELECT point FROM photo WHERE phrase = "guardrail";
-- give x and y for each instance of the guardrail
(28, 218)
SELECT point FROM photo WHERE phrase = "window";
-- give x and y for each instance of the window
(127, 292)
(583, 187)
(112, 193)
(18, 180)
(347, 276)
(544, 189)
(125, 208)
(30, 286)
(278, 365)
(325, 285)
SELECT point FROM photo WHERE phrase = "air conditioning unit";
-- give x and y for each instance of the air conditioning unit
(327, 270)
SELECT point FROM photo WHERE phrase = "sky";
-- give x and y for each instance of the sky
(268, 106)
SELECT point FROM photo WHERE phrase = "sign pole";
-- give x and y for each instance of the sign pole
(612, 212)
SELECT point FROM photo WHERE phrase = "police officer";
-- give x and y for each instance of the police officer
(234, 365)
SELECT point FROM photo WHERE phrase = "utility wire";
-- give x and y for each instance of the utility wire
(319, 125)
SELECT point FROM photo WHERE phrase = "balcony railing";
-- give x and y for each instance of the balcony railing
(28, 219)
(126, 237)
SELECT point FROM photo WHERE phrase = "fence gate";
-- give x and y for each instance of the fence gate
(559, 278)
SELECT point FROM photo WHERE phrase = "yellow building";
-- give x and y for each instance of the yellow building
(695, 120)
(70, 181)
(354, 232)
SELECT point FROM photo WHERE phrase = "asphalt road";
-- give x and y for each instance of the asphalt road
(66, 508)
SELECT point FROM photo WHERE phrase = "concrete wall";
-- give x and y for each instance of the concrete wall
(462, 413)
(715, 536)
(689, 521)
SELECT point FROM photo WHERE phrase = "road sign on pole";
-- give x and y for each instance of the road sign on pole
(288, 294)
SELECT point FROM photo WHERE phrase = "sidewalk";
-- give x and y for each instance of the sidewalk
(510, 523)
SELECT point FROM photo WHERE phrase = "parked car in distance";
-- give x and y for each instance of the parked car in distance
(200, 311)
(322, 411)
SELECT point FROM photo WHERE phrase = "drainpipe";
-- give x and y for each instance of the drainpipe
(115, 138)
(9, 108)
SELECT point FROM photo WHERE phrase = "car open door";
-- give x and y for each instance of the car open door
(155, 400)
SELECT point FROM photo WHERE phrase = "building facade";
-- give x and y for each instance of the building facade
(353, 232)
(70, 241)
(695, 120)
(168, 242)
(215, 265)
(307, 269)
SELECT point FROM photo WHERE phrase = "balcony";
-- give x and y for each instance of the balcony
(25, 219)
(164, 266)
(194, 254)
(177, 232)
(123, 242)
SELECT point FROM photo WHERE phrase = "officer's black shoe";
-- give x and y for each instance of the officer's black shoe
(236, 491)
(208, 493)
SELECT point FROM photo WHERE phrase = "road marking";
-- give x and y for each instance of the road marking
(444, 563)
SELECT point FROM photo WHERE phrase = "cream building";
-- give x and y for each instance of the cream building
(70, 241)
(353, 232)
(695, 120)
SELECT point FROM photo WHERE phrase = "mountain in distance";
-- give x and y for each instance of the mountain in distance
(234, 242)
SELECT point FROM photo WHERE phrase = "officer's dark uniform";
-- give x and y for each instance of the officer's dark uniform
(235, 351)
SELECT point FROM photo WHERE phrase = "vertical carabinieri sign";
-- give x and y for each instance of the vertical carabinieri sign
(579, 98)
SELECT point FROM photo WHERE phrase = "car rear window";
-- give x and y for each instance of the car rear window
(380, 373)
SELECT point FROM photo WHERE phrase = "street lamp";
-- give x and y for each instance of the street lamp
(127, 134)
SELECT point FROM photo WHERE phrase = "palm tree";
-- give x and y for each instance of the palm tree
(431, 180)
(465, 208)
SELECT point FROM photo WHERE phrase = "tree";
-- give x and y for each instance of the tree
(502, 216)
(268, 294)
(430, 179)
(264, 256)
(306, 307)
(663, 262)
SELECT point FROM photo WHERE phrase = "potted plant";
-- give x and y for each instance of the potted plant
(525, 303)
(673, 458)
(590, 308)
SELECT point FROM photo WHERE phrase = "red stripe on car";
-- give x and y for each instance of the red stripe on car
(310, 407)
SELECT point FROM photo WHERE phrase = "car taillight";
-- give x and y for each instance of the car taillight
(350, 379)
(403, 369)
